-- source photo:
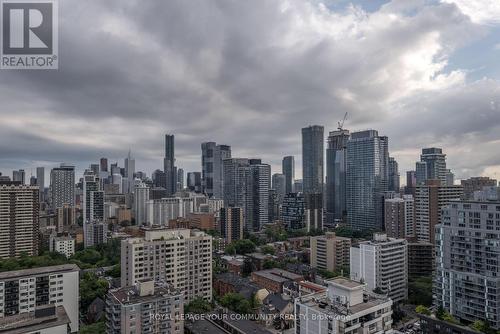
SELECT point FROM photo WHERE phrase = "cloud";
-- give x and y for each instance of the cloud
(480, 11)
(249, 74)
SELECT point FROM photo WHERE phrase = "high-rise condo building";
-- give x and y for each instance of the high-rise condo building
(293, 211)
(382, 263)
(62, 186)
(330, 252)
(161, 211)
(141, 197)
(288, 169)
(336, 165)
(40, 181)
(103, 165)
(182, 258)
(146, 307)
(212, 163)
(400, 217)
(231, 224)
(467, 261)
(19, 219)
(194, 181)
(476, 184)
(246, 185)
(169, 165)
(314, 211)
(312, 159)
(435, 161)
(430, 199)
(393, 184)
(279, 185)
(19, 176)
(344, 308)
(129, 172)
(367, 179)
(180, 179)
(24, 291)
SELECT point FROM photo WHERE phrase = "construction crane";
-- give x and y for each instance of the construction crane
(341, 123)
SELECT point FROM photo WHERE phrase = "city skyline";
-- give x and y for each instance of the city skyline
(256, 94)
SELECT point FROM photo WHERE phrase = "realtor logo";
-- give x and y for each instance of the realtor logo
(29, 34)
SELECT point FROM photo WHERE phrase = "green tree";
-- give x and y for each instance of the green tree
(481, 326)
(91, 287)
(198, 306)
(236, 303)
(268, 249)
(242, 247)
(115, 272)
(421, 309)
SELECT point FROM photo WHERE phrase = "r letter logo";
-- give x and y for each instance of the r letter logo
(29, 34)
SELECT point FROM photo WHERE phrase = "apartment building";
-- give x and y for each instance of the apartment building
(330, 252)
(382, 264)
(64, 245)
(344, 308)
(145, 307)
(430, 199)
(19, 219)
(399, 217)
(25, 291)
(467, 278)
(180, 257)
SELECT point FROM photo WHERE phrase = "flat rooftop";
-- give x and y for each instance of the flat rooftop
(347, 283)
(130, 294)
(28, 323)
(38, 271)
(278, 275)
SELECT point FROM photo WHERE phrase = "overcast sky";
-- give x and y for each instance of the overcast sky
(251, 74)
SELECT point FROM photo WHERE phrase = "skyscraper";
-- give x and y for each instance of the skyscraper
(314, 211)
(40, 180)
(367, 179)
(212, 176)
(93, 198)
(336, 165)
(393, 175)
(194, 181)
(435, 162)
(467, 273)
(141, 197)
(180, 179)
(430, 199)
(103, 165)
(411, 182)
(246, 185)
(169, 165)
(279, 185)
(312, 159)
(129, 172)
(420, 172)
(19, 176)
(231, 224)
(19, 219)
(62, 186)
(288, 169)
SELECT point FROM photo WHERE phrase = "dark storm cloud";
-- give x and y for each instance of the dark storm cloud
(245, 73)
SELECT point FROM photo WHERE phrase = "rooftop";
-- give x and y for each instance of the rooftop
(278, 275)
(130, 294)
(38, 271)
(29, 323)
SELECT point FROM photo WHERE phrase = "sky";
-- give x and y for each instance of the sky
(251, 74)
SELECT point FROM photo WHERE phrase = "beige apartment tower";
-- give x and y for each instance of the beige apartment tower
(330, 252)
